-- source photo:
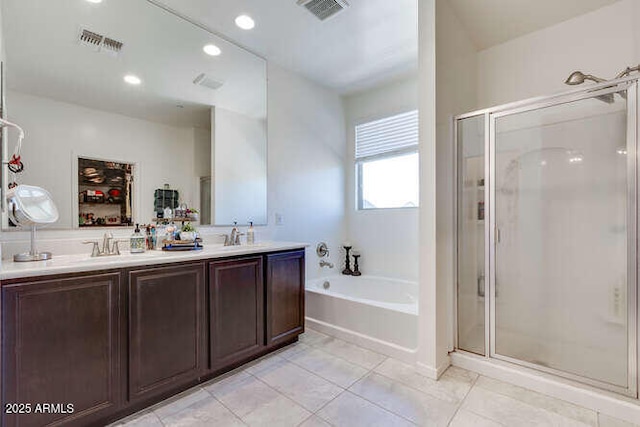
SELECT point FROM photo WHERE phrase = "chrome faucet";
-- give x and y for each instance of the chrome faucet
(106, 239)
(106, 250)
(233, 239)
(324, 263)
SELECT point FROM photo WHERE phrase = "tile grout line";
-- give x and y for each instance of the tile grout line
(326, 379)
(537, 406)
(373, 370)
(459, 405)
(225, 406)
(528, 404)
(343, 391)
(287, 397)
(347, 360)
(417, 389)
(383, 408)
(347, 390)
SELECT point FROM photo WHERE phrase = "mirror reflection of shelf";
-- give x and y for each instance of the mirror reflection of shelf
(168, 220)
(104, 193)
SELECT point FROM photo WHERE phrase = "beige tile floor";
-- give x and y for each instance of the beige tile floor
(323, 381)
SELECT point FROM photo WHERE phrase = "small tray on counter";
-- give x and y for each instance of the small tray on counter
(182, 245)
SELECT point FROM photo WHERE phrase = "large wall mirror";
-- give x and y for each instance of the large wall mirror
(187, 116)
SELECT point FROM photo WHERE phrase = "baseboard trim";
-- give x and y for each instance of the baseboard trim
(404, 354)
(431, 372)
(617, 406)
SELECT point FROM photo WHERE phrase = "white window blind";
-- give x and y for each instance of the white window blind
(396, 134)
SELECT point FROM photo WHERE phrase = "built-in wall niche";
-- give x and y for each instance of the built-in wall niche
(105, 193)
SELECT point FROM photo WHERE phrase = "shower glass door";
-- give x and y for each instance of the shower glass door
(563, 260)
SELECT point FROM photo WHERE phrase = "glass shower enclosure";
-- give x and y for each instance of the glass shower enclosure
(547, 234)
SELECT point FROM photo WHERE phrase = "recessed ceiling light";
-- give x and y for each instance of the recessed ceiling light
(132, 80)
(212, 49)
(245, 22)
(94, 1)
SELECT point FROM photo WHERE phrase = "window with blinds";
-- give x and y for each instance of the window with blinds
(387, 162)
(391, 135)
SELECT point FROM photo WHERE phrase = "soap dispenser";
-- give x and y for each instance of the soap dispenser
(137, 242)
(251, 234)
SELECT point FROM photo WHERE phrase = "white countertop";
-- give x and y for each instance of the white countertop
(64, 264)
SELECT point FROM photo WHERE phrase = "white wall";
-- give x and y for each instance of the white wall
(58, 132)
(201, 152)
(239, 159)
(201, 168)
(447, 88)
(428, 357)
(456, 63)
(387, 238)
(602, 43)
(307, 149)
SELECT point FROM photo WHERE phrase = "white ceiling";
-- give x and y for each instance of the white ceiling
(369, 43)
(491, 22)
(44, 58)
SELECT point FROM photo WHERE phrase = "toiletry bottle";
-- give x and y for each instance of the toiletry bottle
(168, 213)
(137, 242)
(154, 239)
(251, 234)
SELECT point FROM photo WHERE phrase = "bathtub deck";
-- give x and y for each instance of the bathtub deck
(324, 381)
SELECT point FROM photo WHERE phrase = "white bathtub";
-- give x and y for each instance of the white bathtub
(375, 312)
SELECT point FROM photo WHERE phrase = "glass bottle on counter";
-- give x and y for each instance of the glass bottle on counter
(138, 241)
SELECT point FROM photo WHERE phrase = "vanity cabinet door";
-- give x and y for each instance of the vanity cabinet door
(167, 329)
(236, 292)
(61, 345)
(285, 296)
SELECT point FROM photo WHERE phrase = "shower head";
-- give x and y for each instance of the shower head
(578, 77)
(628, 71)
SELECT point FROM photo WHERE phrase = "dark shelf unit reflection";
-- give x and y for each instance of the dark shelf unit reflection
(104, 193)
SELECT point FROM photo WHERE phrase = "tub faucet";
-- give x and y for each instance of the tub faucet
(324, 263)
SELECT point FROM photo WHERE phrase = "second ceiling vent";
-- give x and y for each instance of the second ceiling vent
(100, 43)
(323, 9)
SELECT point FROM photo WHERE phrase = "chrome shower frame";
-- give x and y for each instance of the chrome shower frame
(490, 115)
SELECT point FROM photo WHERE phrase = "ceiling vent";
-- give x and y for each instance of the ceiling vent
(323, 9)
(100, 43)
(206, 81)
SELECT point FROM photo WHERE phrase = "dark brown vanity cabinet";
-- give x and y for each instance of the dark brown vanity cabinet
(285, 296)
(167, 328)
(236, 317)
(61, 344)
(113, 342)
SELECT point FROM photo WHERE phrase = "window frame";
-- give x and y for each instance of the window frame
(358, 162)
